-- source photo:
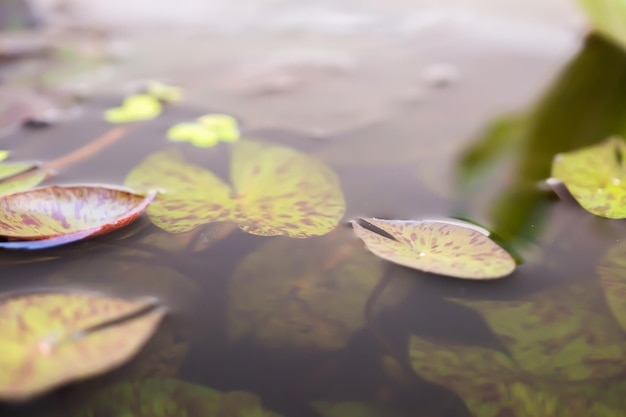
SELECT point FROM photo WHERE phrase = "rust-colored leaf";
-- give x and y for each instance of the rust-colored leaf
(48, 339)
(61, 214)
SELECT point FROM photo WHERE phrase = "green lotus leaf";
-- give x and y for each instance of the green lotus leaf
(195, 133)
(48, 339)
(492, 385)
(224, 126)
(276, 191)
(136, 107)
(596, 177)
(608, 17)
(612, 272)
(562, 334)
(311, 300)
(11, 170)
(64, 212)
(168, 398)
(439, 247)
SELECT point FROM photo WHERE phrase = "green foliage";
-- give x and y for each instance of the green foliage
(135, 108)
(608, 18)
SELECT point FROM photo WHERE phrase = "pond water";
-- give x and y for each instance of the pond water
(321, 327)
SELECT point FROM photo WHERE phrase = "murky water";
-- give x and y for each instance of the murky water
(320, 327)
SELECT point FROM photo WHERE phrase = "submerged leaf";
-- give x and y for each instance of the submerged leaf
(608, 17)
(60, 212)
(596, 177)
(353, 409)
(136, 107)
(439, 247)
(48, 339)
(169, 398)
(304, 295)
(276, 191)
(562, 334)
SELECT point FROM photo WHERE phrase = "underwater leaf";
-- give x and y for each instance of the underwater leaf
(562, 334)
(208, 131)
(48, 339)
(136, 107)
(276, 191)
(596, 177)
(353, 409)
(608, 18)
(61, 211)
(492, 386)
(612, 272)
(439, 247)
(23, 182)
(168, 398)
(311, 300)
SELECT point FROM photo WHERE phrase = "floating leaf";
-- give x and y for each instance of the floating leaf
(136, 107)
(207, 132)
(608, 18)
(4, 155)
(276, 191)
(61, 212)
(596, 177)
(23, 182)
(439, 247)
(169, 397)
(312, 299)
(163, 92)
(51, 339)
(612, 271)
(562, 334)
(11, 170)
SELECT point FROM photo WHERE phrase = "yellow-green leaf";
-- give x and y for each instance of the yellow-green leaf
(11, 170)
(596, 177)
(208, 131)
(313, 299)
(439, 247)
(608, 17)
(4, 155)
(23, 182)
(164, 92)
(276, 191)
(48, 339)
(168, 398)
(563, 334)
(224, 126)
(136, 107)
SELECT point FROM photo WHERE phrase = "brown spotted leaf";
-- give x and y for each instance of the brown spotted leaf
(48, 339)
(168, 398)
(275, 191)
(563, 334)
(439, 247)
(61, 214)
(304, 295)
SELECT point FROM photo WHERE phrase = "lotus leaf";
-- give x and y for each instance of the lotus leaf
(313, 299)
(492, 385)
(440, 247)
(23, 182)
(562, 334)
(67, 213)
(207, 131)
(50, 339)
(612, 272)
(276, 191)
(169, 398)
(608, 18)
(596, 177)
(136, 107)
(163, 92)
(11, 170)
(3, 155)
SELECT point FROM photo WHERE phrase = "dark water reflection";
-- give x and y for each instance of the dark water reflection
(298, 326)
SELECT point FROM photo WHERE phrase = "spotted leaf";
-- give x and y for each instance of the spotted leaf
(49, 339)
(563, 334)
(596, 177)
(168, 398)
(62, 212)
(439, 247)
(312, 299)
(276, 191)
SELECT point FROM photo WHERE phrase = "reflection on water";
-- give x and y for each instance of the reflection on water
(269, 326)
